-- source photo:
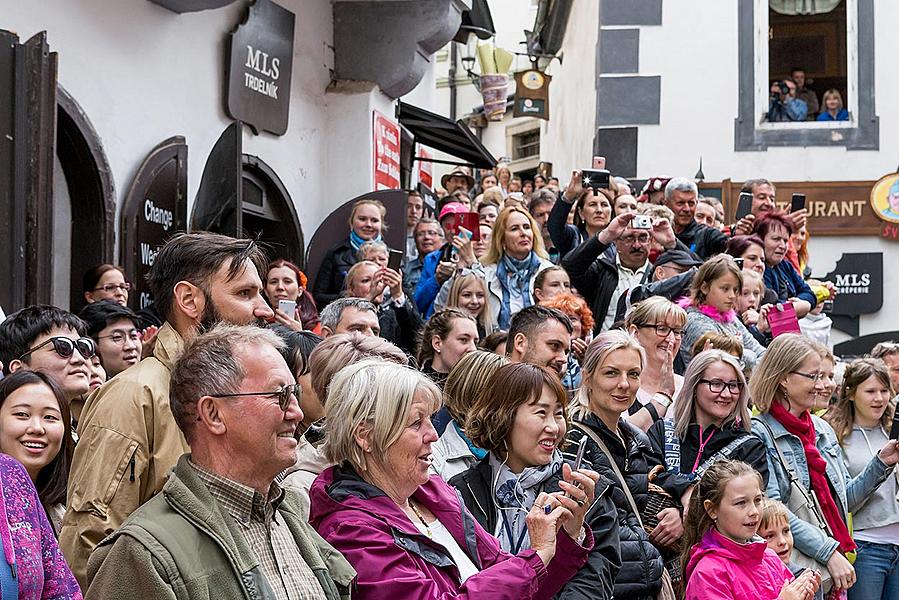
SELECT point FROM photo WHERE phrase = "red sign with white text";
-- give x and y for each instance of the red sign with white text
(425, 167)
(386, 153)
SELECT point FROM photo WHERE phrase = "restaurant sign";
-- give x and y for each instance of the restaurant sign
(259, 68)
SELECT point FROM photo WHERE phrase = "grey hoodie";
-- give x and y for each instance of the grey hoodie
(880, 508)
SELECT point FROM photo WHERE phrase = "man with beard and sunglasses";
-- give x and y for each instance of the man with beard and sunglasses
(128, 439)
(52, 340)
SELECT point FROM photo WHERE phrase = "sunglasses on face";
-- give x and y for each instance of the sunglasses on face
(65, 347)
(283, 394)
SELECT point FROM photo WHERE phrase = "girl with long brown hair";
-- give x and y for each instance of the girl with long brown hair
(861, 419)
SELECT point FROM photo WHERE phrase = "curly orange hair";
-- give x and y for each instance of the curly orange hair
(572, 305)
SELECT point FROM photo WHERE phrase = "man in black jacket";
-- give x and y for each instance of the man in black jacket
(680, 197)
(615, 260)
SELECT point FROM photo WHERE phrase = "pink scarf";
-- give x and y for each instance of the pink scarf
(710, 311)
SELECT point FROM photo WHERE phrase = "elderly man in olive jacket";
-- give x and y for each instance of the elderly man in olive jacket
(222, 527)
(128, 440)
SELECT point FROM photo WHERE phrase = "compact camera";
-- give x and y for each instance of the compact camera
(642, 222)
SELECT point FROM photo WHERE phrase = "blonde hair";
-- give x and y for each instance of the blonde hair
(750, 277)
(832, 92)
(655, 309)
(784, 355)
(656, 211)
(373, 397)
(599, 349)
(685, 402)
(485, 318)
(773, 512)
(492, 195)
(354, 270)
(495, 251)
(714, 268)
(467, 379)
(377, 204)
(720, 341)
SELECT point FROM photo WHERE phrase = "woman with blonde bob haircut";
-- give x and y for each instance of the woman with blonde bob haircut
(468, 292)
(612, 368)
(862, 418)
(658, 324)
(515, 256)
(403, 530)
(710, 422)
(454, 452)
(785, 386)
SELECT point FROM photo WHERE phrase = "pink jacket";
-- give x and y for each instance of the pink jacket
(721, 569)
(29, 545)
(395, 561)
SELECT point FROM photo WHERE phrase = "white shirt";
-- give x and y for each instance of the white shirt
(626, 280)
(443, 537)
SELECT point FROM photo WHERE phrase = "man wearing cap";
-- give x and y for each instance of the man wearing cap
(654, 190)
(436, 270)
(457, 179)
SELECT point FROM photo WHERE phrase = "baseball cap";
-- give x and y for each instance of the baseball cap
(452, 208)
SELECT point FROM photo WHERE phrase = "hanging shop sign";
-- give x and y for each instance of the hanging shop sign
(386, 152)
(885, 204)
(835, 208)
(259, 68)
(425, 166)
(155, 209)
(532, 94)
(858, 278)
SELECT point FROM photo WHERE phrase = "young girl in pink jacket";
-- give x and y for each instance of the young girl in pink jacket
(723, 557)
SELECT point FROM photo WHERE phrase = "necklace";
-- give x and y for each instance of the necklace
(422, 519)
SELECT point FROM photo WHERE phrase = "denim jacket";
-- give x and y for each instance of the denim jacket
(850, 492)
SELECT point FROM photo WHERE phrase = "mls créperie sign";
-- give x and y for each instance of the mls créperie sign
(259, 68)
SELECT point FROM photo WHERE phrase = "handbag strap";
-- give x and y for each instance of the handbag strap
(810, 500)
(672, 445)
(605, 450)
(722, 454)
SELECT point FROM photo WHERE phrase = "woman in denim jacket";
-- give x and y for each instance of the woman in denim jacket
(784, 387)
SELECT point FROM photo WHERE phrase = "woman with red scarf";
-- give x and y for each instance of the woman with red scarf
(784, 387)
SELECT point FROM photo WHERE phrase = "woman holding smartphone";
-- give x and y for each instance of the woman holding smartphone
(285, 288)
(520, 418)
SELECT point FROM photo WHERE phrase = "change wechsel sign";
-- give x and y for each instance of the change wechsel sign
(259, 68)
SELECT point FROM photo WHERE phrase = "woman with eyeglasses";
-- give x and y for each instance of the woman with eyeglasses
(712, 308)
(520, 419)
(36, 430)
(803, 447)
(658, 325)
(710, 422)
(106, 282)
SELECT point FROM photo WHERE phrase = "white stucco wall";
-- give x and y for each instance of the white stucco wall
(142, 73)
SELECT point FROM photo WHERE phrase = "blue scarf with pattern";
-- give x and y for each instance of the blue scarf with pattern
(515, 274)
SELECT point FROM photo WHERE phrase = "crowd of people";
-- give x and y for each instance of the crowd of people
(597, 394)
(793, 100)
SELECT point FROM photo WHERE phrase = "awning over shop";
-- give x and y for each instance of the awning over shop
(478, 21)
(440, 133)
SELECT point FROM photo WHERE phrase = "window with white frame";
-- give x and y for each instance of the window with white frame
(827, 45)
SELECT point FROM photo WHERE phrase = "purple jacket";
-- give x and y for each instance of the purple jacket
(28, 541)
(721, 569)
(394, 560)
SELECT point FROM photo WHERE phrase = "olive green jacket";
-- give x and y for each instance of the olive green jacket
(182, 545)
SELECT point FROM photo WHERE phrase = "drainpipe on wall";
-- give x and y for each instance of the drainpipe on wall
(452, 80)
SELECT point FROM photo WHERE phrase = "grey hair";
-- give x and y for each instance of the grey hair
(685, 401)
(209, 365)
(364, 249)
(597, 352)
(345, 349)
(680, 184)
(330, 315)
(374, 397)
(542, 196)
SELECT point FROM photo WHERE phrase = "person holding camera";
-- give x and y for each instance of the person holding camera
(784, 105)
(615, 260)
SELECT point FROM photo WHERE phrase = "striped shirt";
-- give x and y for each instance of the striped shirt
(268, 536)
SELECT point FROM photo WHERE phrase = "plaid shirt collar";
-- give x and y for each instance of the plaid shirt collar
(243, 503)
